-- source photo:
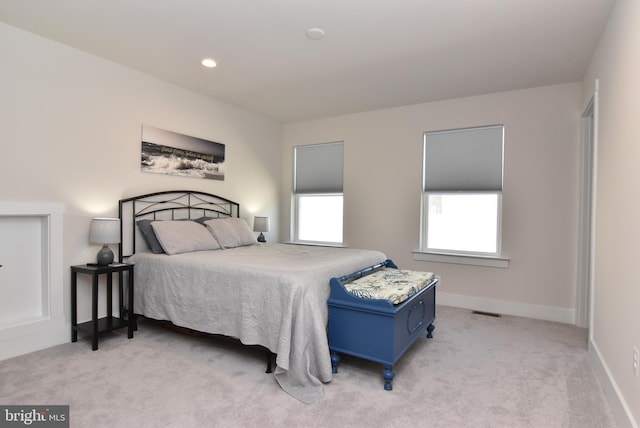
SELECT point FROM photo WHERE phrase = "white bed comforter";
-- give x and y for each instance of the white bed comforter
(272, 295)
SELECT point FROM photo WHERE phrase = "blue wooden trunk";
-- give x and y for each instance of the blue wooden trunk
(376, 329)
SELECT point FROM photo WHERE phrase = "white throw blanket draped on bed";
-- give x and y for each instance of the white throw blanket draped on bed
(272, 295)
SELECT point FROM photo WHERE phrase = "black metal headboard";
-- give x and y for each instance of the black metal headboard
(167, 205)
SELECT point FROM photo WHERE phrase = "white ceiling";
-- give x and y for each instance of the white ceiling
(376, 53)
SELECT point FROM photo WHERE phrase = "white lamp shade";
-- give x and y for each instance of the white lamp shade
(260, 224)
(105, 231)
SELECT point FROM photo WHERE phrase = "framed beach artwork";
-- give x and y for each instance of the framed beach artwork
(166, 152)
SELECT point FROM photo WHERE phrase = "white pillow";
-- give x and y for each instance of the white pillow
(231, 232)
(179, 236)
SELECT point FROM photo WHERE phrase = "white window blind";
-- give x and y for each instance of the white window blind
(319, 168)
(463, 160)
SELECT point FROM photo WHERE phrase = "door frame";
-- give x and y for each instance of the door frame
(587, 242)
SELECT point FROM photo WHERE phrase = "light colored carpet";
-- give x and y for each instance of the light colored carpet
(477, 371)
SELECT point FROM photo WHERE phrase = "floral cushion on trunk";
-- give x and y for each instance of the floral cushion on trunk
(395, 285)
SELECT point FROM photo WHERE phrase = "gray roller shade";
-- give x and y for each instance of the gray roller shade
(318, 168)
(464, 159)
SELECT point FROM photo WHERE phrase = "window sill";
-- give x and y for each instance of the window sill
(462, 259)
(316, 244)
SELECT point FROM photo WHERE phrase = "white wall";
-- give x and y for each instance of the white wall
(382, 178)
(616, 315)
(70, 132)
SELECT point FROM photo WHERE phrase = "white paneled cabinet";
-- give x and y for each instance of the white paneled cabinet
(31, 278)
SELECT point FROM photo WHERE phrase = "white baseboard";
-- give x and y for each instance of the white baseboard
(548, 313)
(33, 336)
(617, 403)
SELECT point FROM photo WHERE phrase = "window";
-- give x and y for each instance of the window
(463, 222)
(319, 218)
(462, 191)
(317, 193)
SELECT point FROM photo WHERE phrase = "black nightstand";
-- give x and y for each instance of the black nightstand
(108, 323)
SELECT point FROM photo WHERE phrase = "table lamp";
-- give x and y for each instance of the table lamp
(105, 231)
(261, 224)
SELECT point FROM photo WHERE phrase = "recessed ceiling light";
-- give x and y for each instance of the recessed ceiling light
(315, 33)
(209, 63)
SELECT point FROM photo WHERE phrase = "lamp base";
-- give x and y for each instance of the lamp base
(261, 238)
(105, 256)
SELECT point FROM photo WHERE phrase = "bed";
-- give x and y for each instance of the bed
(271, 295)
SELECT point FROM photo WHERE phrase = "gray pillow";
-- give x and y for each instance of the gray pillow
(179, 236)
(150, 236)
(201, 220)
(231, 232)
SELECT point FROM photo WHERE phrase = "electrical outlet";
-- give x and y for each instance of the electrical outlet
(636, 361)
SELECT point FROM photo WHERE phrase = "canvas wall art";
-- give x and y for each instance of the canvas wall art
(166, 152)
